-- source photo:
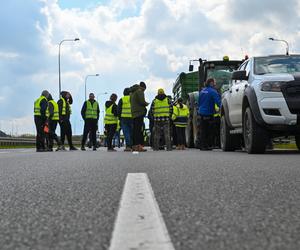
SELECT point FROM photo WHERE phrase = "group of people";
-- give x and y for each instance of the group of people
(165, 118)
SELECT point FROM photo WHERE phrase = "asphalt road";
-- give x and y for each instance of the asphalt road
(209, 200)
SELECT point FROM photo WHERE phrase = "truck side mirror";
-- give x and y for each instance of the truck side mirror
(240, 75)
(191, 67)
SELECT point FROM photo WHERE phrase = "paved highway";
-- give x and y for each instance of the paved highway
(208, 200)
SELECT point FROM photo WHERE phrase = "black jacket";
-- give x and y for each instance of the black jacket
(114, 108)
(160, 97)
(83, 110)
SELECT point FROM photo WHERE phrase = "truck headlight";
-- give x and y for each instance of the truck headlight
(271, 86)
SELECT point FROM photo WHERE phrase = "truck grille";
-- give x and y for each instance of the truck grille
(291, 93)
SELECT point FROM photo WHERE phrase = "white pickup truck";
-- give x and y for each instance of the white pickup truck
(262, 102)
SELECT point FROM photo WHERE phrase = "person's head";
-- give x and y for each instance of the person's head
(143, 85)
(210, 82)
(50, 97)
(126, 91)
(160, 91)
(113, 97)
(91, 97)
(68, 95)
(45, 93)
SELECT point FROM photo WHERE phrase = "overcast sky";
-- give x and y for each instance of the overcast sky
(125, 41)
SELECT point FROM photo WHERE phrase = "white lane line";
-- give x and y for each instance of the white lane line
(139, 223)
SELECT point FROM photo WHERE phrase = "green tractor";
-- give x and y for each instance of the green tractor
(187, 86)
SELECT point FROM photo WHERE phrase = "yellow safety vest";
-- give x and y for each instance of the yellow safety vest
(109, 116)
(126, 107)
(217, 111)
(91, 110)
(180, 116)
(64, 107)
(37, 105)
(161, 108)
(55, 116)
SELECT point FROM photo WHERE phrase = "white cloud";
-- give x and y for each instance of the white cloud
(127, 41)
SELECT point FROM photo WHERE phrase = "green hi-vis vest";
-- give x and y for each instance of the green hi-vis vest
(161, 108)
(64, 107)
(55, 116)
(217, 111)
(126, 107)
(109, 116)
(37, 105)
(91, 110)
(180, 116)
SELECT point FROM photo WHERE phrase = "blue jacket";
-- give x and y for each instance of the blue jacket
(208, 97)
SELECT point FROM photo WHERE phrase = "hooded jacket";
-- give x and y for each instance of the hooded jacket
(161, 97)
(137, 100)
(60, 106)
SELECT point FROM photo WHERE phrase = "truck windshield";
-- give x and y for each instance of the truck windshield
(222, 75)
(276, 65)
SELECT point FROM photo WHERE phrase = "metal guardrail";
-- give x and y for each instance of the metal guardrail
(16, 141)
(21, 141)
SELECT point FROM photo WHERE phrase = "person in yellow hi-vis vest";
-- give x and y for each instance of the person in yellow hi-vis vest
(217, 123)
(125, 117)
(162, 110)
(180, 117)
(40, 108)
(65, 111)
(111, 120)
(53, 118)
(90, 114)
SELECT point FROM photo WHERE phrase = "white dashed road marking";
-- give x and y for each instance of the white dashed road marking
(139, 223)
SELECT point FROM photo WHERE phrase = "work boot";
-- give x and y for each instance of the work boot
(111, 150)
(62, 147)
(127, 149)
(94, 149)
(135, 148)
(58, 148)
(73, 148)
(141, 148)
(50, 149)
(82, 148)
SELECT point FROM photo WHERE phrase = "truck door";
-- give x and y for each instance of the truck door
(240, 89)
(235, 97)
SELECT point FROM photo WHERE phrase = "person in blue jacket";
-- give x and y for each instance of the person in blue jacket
(208, 98)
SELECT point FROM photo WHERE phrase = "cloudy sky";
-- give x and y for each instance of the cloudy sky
(125, 41)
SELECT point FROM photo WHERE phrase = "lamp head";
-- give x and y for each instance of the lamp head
(76, 39)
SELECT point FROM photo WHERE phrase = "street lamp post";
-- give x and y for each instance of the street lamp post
(59, 77)
(281, 40)
(85, 84)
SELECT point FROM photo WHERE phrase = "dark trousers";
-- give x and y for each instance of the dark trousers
(90, 127)
(206, 131)
(40, 134)
(126, 125)
(180, 134)
(52, 134)
(216, 134)
(138, 138)
(110, 132)
(162, 127)
(66, 130)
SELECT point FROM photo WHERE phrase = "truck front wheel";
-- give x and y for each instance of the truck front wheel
(255, 137)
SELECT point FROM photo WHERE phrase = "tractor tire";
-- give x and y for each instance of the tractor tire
(297, 138)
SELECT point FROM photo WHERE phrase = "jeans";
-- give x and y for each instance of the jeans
(127, 127)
